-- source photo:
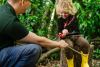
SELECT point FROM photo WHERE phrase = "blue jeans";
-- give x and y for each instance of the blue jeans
(25, 55)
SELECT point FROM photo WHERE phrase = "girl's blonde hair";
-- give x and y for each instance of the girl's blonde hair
(65, 6)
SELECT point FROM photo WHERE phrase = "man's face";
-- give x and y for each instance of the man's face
(24, 5)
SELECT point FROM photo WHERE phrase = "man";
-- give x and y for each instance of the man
(69, 30)
(25, 55)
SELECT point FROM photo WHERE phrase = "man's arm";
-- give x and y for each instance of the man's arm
(33, 38)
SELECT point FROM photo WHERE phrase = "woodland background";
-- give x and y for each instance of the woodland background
(38, 19)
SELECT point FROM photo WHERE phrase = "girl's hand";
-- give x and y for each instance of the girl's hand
(64, 32)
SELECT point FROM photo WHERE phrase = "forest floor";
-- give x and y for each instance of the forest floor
(56, 63)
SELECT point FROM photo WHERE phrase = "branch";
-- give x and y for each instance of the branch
(45, 55)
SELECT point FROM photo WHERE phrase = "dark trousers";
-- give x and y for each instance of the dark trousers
(78, 43)
(20, 56)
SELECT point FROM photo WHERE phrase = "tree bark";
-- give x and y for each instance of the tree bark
(45, 55)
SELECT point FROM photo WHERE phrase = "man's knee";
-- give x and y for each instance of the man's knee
(36, 49)
(32, 49)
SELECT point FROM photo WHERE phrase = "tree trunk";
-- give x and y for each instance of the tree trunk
(63, 62)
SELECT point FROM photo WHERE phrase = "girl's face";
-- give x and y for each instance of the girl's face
(64, 15)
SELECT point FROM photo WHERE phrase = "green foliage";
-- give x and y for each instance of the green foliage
(37, 18)
(55, 55)
(88, 17)
(96, 53)
(2, 2)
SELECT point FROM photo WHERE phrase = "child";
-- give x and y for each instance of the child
(68, 26)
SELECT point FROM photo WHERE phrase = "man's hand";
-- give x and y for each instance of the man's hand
(62, 44)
